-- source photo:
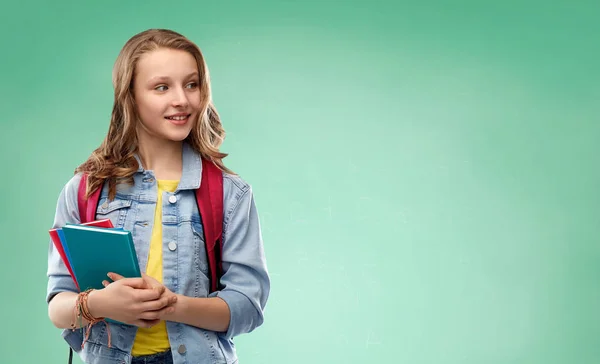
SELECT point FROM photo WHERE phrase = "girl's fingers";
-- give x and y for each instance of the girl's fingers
(153, 305)
(114, 276)
(156, 315)
(134, 282)
(149, 294)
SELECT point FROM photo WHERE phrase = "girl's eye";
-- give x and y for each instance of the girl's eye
(192, 85)
(161, 88)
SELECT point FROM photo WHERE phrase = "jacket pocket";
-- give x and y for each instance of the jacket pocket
(115, 210)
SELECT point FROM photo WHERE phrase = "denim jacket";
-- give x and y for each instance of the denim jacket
(245, 279)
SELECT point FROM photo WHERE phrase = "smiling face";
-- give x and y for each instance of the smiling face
(167, 95)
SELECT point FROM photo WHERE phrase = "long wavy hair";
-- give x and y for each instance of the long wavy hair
(114, 161)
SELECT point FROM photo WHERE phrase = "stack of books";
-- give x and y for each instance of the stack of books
(91, 250)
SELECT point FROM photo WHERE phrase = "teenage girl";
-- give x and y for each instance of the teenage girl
(148, 168)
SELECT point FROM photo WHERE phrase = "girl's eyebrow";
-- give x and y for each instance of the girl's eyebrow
(167, 78)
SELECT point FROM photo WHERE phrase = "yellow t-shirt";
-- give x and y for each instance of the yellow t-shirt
(155, 339)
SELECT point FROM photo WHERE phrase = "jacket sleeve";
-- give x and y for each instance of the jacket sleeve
(59, 279)
(245, 279)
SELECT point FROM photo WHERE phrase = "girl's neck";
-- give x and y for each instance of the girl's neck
(163, 158)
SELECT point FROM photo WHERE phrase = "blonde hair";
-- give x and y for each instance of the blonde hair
(114, 161)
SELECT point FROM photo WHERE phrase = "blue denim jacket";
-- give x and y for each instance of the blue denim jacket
(245, 280)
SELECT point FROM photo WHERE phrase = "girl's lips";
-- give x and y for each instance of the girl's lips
(178, 119)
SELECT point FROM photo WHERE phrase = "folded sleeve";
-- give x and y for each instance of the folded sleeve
(245, 279)
(59, 279)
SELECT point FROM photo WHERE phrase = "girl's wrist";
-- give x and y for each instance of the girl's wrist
(94, 304)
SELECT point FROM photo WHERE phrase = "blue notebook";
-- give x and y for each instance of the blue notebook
(95, 251)
(61, 236)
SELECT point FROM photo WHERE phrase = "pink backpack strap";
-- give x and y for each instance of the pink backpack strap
(87, 206)
(210, 205)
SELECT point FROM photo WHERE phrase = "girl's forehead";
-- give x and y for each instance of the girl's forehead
(166, 62)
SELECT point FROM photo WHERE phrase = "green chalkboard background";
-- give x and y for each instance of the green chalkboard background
(427, 173)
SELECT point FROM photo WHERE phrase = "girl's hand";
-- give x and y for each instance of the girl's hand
(129, 300)
(154, 315)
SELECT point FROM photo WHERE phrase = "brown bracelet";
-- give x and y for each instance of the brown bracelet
(82, 311)
(85, 311)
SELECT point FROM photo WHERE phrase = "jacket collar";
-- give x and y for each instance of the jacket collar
(192, 168)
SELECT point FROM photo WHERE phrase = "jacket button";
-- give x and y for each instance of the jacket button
(172, 246)
(181, 349)
(172, 199)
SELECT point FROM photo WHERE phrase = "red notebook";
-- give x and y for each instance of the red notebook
(106, 223)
